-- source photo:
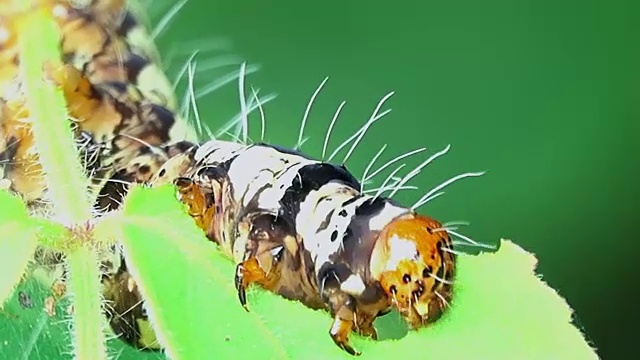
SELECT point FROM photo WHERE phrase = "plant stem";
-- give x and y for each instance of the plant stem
(84, 284)
(66, 184)
(65, 181)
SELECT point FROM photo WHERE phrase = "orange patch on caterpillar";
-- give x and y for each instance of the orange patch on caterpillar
(198, 207)
(413, 266)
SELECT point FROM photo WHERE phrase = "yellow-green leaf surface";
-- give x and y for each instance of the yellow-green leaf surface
(501, 309)
(17, 243)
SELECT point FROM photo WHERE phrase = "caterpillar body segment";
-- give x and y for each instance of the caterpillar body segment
(302, 229)
(112, 81)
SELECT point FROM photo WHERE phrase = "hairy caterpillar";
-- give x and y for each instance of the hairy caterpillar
(304, 229)
(105, 75)
(355, 264)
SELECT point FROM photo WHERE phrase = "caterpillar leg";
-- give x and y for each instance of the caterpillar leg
(248, 272)
(259, 269)
(343, 309)
(345, 305)
(365, 326)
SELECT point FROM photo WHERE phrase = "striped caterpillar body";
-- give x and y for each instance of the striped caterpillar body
(116, 92)
(303, 229)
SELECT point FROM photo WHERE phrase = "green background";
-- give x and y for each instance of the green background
(542, 94)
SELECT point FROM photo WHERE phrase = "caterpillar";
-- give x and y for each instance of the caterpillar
(296, 226)
(304, 229)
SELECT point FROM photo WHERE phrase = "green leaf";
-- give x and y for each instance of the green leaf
(501, 309)
(28, 332)
(187, 283)
(17, 244)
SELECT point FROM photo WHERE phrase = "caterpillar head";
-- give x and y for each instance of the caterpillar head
(414, 264)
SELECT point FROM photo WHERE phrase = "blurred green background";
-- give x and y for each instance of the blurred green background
(542, 94)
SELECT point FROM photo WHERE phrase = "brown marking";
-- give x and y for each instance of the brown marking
(58, 289)
(50, 306)
(78, 90)
(106, 110)
(25, 171)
